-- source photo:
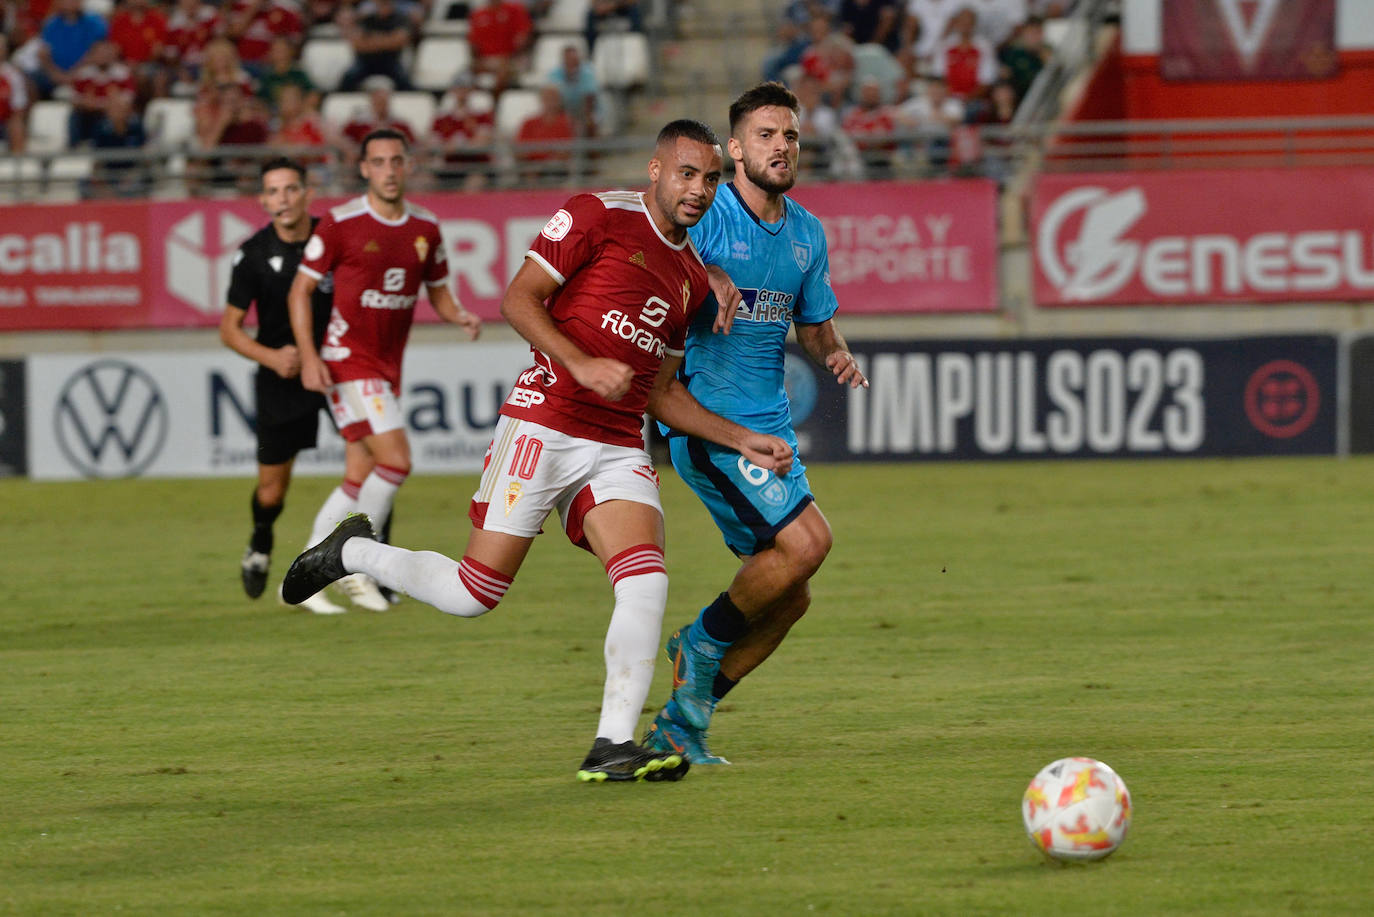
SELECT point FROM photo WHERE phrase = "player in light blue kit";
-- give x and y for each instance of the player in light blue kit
(769, 269)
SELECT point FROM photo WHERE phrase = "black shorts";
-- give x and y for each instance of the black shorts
(288, 418)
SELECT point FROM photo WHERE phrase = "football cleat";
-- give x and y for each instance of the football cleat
(362, 591)
(668, 733)
(317, 604)
(694, 673)
(627, 761)
(321, 565)
(253, 572)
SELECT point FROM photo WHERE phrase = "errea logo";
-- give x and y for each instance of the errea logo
(199, 261)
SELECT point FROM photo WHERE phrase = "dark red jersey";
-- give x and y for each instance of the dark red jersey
(378, 267)
(626, 293)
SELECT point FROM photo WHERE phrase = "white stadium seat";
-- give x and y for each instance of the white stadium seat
(415, 109)
(547, 56)
(339, 108)
(48, 126)
(565, 16)
(170, 123)
(13, 172)
(449, 17)
(325, 60)
(438, 61)
(621, 60)
(512, 108)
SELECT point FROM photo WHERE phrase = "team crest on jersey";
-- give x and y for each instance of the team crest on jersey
(801, 253)
(421, 247)
(637, 258)
(371, 247)
(314, 248)
(557, 227)
(513, 491)
(686, 294)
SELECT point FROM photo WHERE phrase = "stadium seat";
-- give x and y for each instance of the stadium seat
(338, 108)
(448, 17)
(547, 56)
(170, 123)
(15, 172)
(325, 60)
(415, 109)
(875, 61)
(438, 61)
(512, 108)
(621, 60)
(48, 126)
(65, 175)
(102, 8)
(565, 16)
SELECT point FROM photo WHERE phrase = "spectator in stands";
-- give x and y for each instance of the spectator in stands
(140, 30)
(120, 128)
(220, 65)
(964, 58)
(377, 115)
(869, 123)
(379, 35)
(96, 84)
(872, 21)
(998, 19)
(252, 24)
(827, 150)
(829, 59)
(500, 33)
(605, 16)
(284, 69)
(581, 94)
(190, 29)
(923, 29)
(298, 124)
(14, 101)
(68, 35)
(232, 118)
(546, 126)
(464, 129)
(791, 39)
(933, 112)
(989, 151)
(1025, 55)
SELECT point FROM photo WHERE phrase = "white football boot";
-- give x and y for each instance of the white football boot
(362, 591)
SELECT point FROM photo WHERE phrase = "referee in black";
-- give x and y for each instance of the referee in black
(287, 414)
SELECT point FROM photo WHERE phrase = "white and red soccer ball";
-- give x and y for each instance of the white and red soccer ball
(1076, 809)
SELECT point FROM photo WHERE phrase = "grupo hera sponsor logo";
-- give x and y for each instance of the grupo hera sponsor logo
(111, 419)
(1090, 246)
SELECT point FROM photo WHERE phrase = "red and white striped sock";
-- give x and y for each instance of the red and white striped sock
(640, 581)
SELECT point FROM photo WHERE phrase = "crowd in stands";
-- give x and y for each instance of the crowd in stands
(237, 65)
(871, 71)
(865, 69)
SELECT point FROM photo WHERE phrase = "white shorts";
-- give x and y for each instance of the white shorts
(531, 469)
(364, 407)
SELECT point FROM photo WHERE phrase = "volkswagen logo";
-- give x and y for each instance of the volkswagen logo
(111, 420)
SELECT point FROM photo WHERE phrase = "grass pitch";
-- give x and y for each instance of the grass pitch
(170, 747)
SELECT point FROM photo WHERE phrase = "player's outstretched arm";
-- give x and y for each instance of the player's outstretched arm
(314, 374)
(523, 306)
(671, 403)
(447, 306)
(823, 343)
(284, 361)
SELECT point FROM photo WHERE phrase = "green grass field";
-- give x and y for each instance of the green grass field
(169, 747)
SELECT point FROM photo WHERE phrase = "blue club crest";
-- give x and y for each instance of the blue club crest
(801, 252)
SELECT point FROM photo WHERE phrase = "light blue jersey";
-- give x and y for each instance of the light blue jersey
(783, 272)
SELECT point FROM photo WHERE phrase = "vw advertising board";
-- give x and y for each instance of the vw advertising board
(190, 414)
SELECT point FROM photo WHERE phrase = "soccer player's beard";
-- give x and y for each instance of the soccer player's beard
(759, 178)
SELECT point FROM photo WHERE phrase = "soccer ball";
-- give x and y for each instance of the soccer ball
(1076, 809)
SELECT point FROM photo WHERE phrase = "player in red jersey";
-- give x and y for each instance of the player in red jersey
(381, 249)
(604, 297)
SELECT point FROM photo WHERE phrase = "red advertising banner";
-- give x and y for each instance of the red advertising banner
(1240, 236)
(165, 264)
(1248, 40)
